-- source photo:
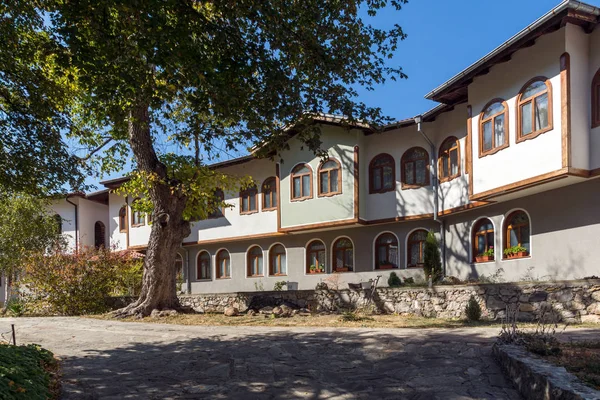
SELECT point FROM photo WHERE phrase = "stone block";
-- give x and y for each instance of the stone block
(526, 307)
(590, 319)
(537, 297)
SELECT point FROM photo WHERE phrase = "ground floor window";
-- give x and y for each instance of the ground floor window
(343, 255)
(277, 260)
(517, 235)
(415, 250)
(223, 264)
(255, 261)
(315, 257)
(386, 251)
(483, 240)
(203, 266)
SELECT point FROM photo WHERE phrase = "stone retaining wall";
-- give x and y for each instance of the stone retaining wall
(573, 301)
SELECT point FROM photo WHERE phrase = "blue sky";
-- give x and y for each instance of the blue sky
(444, 37)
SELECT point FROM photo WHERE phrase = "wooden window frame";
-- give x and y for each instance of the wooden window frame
(391, 162)
(271, 266)
(219, 257)
(198, 274)
(494, 149)
(387, 250)
(442, 153)
(404, 161)
(142, 216)
(294, 175)
(520, 101)
(123, 219)
(334, 250)
(251, 258)
(249, 192)
(411, 242)
(508, 228)
(322, 170)
(271, 192)
(103, 233)
(221, 212)
(309, 252)
(59, 226)
(477, 233)
(596, 100)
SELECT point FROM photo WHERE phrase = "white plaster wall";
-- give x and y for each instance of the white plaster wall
(89, 213)
(578, 47)
(594, 66)
(67, 213)
(118, 240)
(532, 157)
(138, 235)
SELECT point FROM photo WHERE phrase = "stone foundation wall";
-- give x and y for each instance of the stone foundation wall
(573, 301)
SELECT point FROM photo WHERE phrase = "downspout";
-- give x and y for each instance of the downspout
(76, 225)
(434, 182)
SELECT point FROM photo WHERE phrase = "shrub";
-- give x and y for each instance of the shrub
(81, 283)
(473, 309)
(432, 258)
(409, 281)
(394, 280)
(24, 372)
(279, 286)
(15, 307)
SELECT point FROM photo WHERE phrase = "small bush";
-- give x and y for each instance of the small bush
(15, 307)
(473, 310)
(278, 286)
(25, 372)
(394, 280)
(409, 281)
(432, 258)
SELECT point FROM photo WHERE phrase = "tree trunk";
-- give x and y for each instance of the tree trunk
(168, 228)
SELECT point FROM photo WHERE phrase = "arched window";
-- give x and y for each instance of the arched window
(123, 219)
(330, 178)
(415, 168)
(138, 218)
(277, 261)
(203, 266)
(99, 235)
(269, 194)
(415, 249)
(178, 272)
(596, 100)
(517, 235)
(223, 264)
(382, 174)
(493, 128)
(217, 205)
(343, 255)
(255, 261)
(315, 257)
(248, 201)
(483, 240)
(386, 251)
(449, 159)
(58, 222)
(301, 182)
(534, 109)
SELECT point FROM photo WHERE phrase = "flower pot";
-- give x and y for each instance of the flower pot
(484, 258)
(315, 271)
(342, 269)
(386, 266)
(518, 254)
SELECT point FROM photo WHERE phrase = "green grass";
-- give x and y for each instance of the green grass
(27, 372)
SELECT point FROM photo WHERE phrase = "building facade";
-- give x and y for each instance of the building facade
(504, 170)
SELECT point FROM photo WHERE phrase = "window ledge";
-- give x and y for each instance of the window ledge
(493, 151)
(515, 258)
(223, 278)
(449, 178)
(255, 276)
(269, 209)
(329, 194)
(381, 191)
(406, 186)
(137, 225)
(301, 199)
(277, 274)
(248, 212)
(204, 280)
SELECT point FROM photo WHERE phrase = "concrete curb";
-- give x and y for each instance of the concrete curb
(538, 379)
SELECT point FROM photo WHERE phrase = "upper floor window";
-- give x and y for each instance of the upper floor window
(415, 250)
(386, 251)
(415, 168)
(203, 266)
(138, 218)
(517, 235)
(269, 194)
(217, 205)
(99, 235)
(277, 260)
(223, 264)
(330, 178)
(596, 100)
(343, 255)
(255, 261)
(248, 201)
(534, 109)
(315, 257)
(123, 219)
(301, 182)
(449, 160)
(483, 240)
(493, 128)
(58, 222)
(382, 174)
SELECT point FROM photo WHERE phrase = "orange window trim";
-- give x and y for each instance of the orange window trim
(303, 196)
(389, 162)
(495, 146)
(596, 100)
(483, 234)
(275, 268)
(222, 256)
(521, 101)
(248, 194)
(403, 163)
(253, 260)
(337, 247)
(447, 153)
(413, 242)
(514, 227)
(269, 190)
(387, 247)
(123, 219)
(328, 171)
(310, 252)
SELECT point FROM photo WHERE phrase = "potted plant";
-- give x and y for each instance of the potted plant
(385, 265)
(342, 269)
(313, 269)
(516, 252)
(487, 255)
(321, 268)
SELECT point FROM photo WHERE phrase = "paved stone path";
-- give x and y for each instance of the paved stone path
(118, 360)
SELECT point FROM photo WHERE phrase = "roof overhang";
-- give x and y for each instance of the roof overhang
(454, 91)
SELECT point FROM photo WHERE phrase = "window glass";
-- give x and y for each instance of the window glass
(453, 162)
(487, 136)
(535, 87)
(324, 182)
(388, 177)
(305, 185)
(297, 187)
(334, 180)
(499, 130)
(495, 108)
(377, 179)
(541, 111)
(301, 169)
(421, 172)
(526, 126)
(409, 170)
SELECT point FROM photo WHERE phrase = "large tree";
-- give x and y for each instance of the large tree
(211, 72)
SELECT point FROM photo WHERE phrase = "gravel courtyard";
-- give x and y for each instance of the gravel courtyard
(120, 360)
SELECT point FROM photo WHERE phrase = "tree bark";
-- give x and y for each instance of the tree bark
(168, 228)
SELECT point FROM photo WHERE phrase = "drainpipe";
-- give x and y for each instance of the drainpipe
(434, 181)
(188, 281)
(76, 225)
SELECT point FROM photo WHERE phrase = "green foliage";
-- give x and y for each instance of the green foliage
(24, 372)
(75, 284)
(489, 252)
(432, 258)
(279, 286)
(409, 281)
(394, 280)
(514, 250)
(15, 307)
(473, 309)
